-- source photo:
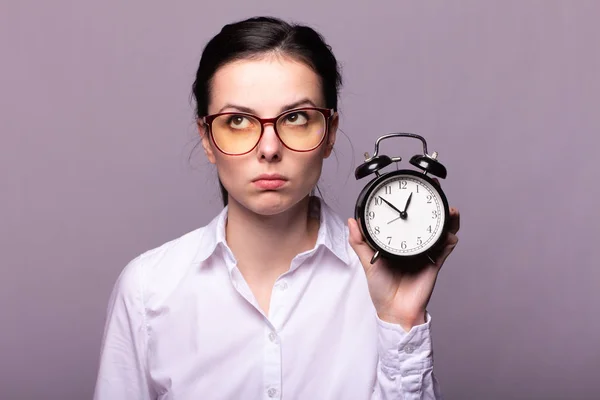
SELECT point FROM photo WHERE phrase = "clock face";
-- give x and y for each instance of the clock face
(405, 215)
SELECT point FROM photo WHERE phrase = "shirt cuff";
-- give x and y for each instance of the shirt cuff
(405, 353)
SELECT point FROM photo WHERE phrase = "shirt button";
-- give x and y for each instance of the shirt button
(283, 285)
(273, 337)
(272, 392)
(408, 349)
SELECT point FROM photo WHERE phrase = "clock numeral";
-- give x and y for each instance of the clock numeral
(403, 184)
(429, 199)
(417, 188)
(419, 241)
(403, 244)
(388, 189)
(434, 214)
(371, 215)
(377, 231)
(389, 238)
(378, 201)
(429, 229)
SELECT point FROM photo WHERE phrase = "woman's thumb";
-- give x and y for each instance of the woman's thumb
(358, 244)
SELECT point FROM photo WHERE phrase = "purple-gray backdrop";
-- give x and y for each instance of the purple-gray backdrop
(97, 130)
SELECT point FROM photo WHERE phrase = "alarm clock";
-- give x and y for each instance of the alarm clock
(403, 214)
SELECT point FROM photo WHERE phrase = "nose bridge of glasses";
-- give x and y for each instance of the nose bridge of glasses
(273, 123)
(269, 137)
(269, 121)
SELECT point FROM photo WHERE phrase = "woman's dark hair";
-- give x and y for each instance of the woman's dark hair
(257, 37)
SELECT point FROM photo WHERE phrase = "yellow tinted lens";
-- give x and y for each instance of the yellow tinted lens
(302, 129)
(234, 133)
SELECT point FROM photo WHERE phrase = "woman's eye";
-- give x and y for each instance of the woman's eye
(297, 118)
(238, 122)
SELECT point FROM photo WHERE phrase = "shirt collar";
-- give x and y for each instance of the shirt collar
(333, 234)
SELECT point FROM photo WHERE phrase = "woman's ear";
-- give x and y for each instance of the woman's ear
(206, 143)
(333, 127)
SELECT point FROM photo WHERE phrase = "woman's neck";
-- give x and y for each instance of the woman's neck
(264, 246)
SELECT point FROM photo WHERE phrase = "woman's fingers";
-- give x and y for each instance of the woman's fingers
(451, 242)
(454, 223)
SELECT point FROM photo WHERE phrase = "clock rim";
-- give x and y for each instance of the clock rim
(361, 205)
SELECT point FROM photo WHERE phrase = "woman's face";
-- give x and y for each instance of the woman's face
(266, 87)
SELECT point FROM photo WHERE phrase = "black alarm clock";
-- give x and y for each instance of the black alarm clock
(403, 214)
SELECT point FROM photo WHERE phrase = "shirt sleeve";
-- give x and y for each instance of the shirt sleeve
(405, 366)
(122, 373)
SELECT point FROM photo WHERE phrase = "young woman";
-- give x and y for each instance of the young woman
(276, 297)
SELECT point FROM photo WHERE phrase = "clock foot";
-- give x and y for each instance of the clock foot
(430, 259)
(375, 257)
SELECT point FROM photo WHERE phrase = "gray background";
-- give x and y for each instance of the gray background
(97, 165)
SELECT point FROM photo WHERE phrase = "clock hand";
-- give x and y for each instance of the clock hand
(403, 214)
(390, 204)
(389, 222)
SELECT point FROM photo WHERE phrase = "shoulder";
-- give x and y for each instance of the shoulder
(161, 267)
(172, 255)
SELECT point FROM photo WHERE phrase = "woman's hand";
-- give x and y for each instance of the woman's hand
(399, 292)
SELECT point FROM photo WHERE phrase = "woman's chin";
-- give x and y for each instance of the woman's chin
(271, 203)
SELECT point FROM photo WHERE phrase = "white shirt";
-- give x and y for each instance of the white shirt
(183, 324)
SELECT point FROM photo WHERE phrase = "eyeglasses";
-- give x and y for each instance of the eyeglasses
(238, 133)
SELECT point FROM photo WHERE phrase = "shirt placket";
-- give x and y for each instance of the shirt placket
(272, 348)
(278, 310)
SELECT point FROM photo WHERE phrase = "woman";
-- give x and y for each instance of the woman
(275, 298)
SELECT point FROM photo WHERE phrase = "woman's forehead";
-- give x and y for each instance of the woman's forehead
(264, 84)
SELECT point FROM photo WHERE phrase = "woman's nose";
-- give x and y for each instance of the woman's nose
(269, 147)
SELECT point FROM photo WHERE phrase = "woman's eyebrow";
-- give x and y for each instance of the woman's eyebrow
(239, 108)
(297, 104)
(284, 108)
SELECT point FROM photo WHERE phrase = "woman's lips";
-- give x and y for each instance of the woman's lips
(269, 181)
(269, 184)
